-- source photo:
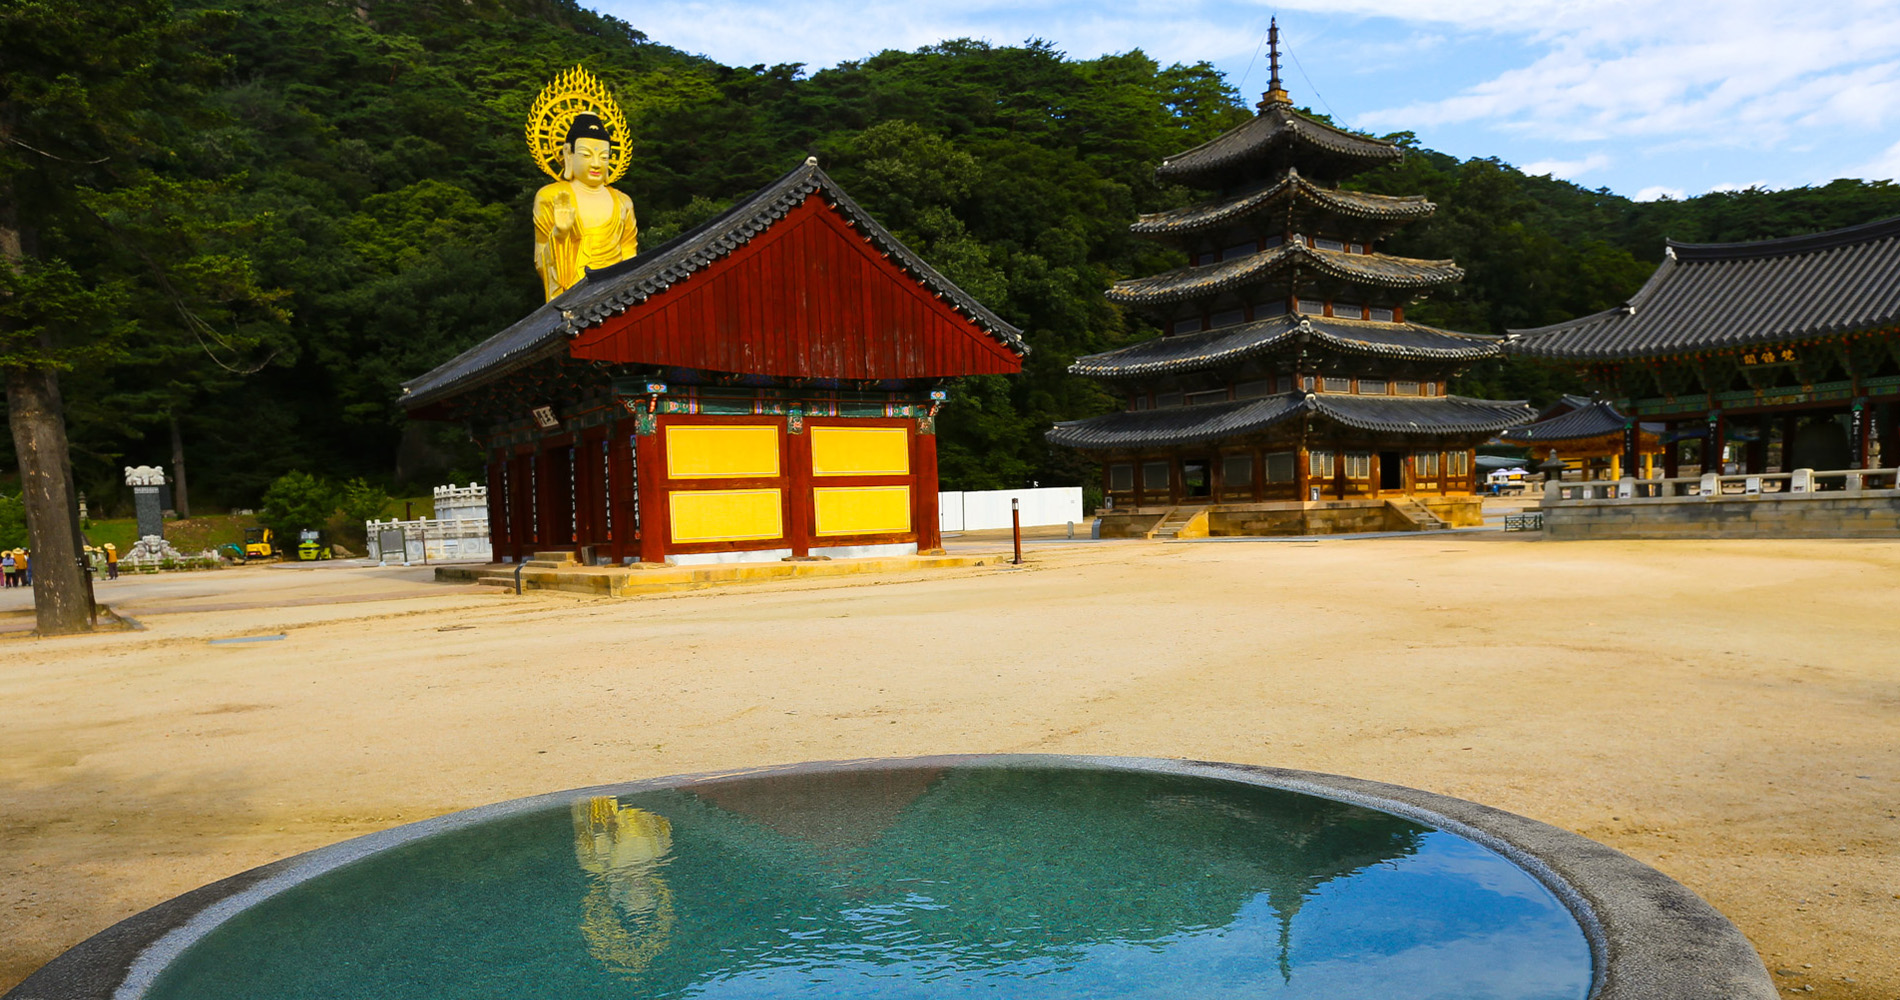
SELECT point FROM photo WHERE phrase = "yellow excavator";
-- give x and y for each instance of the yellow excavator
(259, 544)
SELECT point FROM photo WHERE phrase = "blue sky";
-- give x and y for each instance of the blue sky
(1644, 97)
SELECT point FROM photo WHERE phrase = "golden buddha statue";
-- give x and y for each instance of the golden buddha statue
(580, 221)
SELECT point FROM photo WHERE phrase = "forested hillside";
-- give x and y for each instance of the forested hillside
(294, 205)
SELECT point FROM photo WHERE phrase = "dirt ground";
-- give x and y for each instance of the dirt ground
(1726, 711)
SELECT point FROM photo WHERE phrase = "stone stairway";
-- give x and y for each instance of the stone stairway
(1173, 521)
(545, 561)
(1414, 516)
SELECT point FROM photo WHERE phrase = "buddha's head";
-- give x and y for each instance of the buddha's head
(589, 151)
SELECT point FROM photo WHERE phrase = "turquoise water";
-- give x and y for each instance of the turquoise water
(923, 883)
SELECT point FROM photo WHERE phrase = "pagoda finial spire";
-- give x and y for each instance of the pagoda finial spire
(1276, 94)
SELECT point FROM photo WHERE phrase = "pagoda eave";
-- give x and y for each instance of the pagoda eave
(1231, 345)
(1289, 190)
(1434, 418)
(1205, 280)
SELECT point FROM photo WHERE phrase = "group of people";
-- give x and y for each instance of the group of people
(17, 564)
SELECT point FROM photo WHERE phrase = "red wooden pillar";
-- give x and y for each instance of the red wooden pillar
(527, 500)
(614, 492)
(799, 505)
(1672, 451)
(648, 459)
(924, 487)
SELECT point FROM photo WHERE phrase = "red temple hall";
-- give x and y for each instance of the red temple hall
(765, 386)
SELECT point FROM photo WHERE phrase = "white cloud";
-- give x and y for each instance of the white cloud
(1885, 167)
(1657, 192)
(1568, 169)
(1749, 74)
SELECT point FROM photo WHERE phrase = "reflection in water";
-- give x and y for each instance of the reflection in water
(627, 915)
(1029, 883)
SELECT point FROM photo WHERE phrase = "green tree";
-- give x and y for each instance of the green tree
(296, 501)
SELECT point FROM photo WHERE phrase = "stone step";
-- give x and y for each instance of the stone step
(560, 557)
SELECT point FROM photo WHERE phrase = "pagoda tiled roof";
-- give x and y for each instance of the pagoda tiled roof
(1214, 214)
(1228, 345)
(1716, 296)
(1203, 280)
(1405, 415)
(1277, 125)
(609, 291)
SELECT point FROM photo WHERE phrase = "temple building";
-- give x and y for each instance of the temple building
(1756, 357)
(765, 386)
(1287, 392)
(1587, 435)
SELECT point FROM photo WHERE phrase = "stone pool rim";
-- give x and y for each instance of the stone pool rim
(1650, 937)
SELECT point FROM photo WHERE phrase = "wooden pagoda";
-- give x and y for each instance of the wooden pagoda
(765, 386)
(1287, 378)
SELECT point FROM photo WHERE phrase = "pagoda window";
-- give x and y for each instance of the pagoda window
(1267, 310)
(1319, 463)
(1283, 384)
(1379, 314)
(1156, 477)
(1431, 388)
(1322, 243)
(1271, 242)
(1372, 387)
(1240, 250)
(1165, 399)
(1190, 325)
(1254, 389)
(1348, 310)
(1358, 465)
(1236, 472)
(1209, 257)
(1458, 463)
(1406, 388)
(1138, 402)
(1280, 466)
(1206, 396)
(1310, 307)
(1425, 464)
(1338, 384)
(1229, 318)
(1121, 478)
(1306, 383)
(1355, 248)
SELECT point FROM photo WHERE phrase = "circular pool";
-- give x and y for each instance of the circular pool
(1017, 877)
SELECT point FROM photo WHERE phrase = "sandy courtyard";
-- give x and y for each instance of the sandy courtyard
(1727, 712)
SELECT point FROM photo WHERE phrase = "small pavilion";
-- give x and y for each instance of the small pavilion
(765, 386)
(1588, 434)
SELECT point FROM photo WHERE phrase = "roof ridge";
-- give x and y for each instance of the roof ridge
(1789, 245)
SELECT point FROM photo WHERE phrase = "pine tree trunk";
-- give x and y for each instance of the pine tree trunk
(181, 497)
(62, 587)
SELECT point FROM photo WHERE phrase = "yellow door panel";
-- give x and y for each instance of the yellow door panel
(721, 451)
(725, 515)
(860, 451)
(861, 510)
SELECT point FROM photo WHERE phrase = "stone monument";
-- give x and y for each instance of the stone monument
(146, 481)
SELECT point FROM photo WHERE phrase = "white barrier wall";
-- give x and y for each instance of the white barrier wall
(982, 510)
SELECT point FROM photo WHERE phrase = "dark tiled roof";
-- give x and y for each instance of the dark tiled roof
(1183, 284)
(1214, 214)
(1436, 415)
(1712, 296)
(1276, 126)
(1591, 418)
(1227, 345)
(613, 290)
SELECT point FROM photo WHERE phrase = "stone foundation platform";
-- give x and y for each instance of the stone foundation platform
(1320, 517)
